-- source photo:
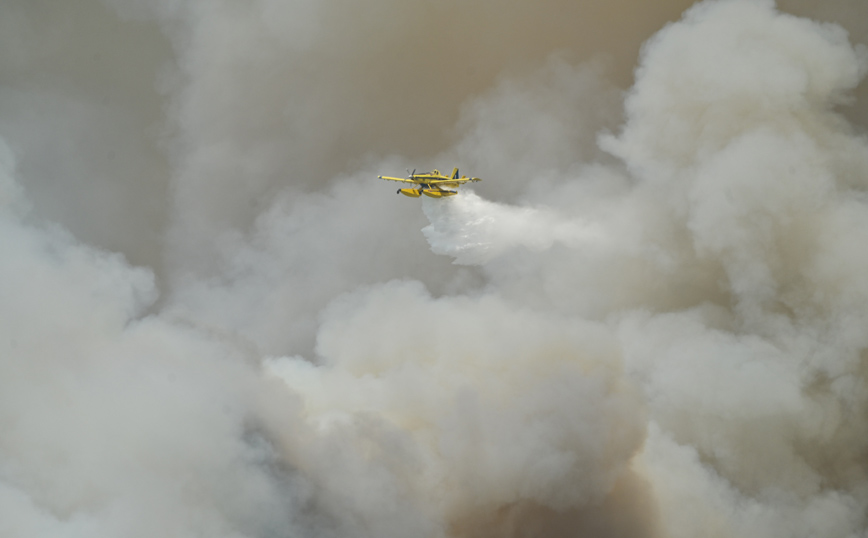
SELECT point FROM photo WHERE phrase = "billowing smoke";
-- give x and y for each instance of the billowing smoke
(648, 320)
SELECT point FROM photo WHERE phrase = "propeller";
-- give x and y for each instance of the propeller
(411, 174)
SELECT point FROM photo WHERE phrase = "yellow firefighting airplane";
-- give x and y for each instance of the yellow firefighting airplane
(435, 184)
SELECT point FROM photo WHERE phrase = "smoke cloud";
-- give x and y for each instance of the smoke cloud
(647, 321)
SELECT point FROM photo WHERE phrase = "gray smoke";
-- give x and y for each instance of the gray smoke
(647, 320)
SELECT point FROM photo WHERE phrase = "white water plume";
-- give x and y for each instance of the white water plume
(474, 231)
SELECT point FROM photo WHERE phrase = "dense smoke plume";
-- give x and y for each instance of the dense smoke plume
(648, 320)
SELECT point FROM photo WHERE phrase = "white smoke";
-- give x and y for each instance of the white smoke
(755, 169)
(486, 405)
(750, 189)
(664, 341)
(114, 424)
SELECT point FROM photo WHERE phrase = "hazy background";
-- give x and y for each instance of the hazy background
(647, 320)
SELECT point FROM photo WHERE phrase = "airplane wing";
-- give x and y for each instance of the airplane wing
(434, 179)
(402, 180)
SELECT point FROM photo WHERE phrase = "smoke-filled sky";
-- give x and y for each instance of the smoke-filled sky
(649, 320)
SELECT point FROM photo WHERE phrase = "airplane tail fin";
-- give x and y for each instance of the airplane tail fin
(454, 173)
